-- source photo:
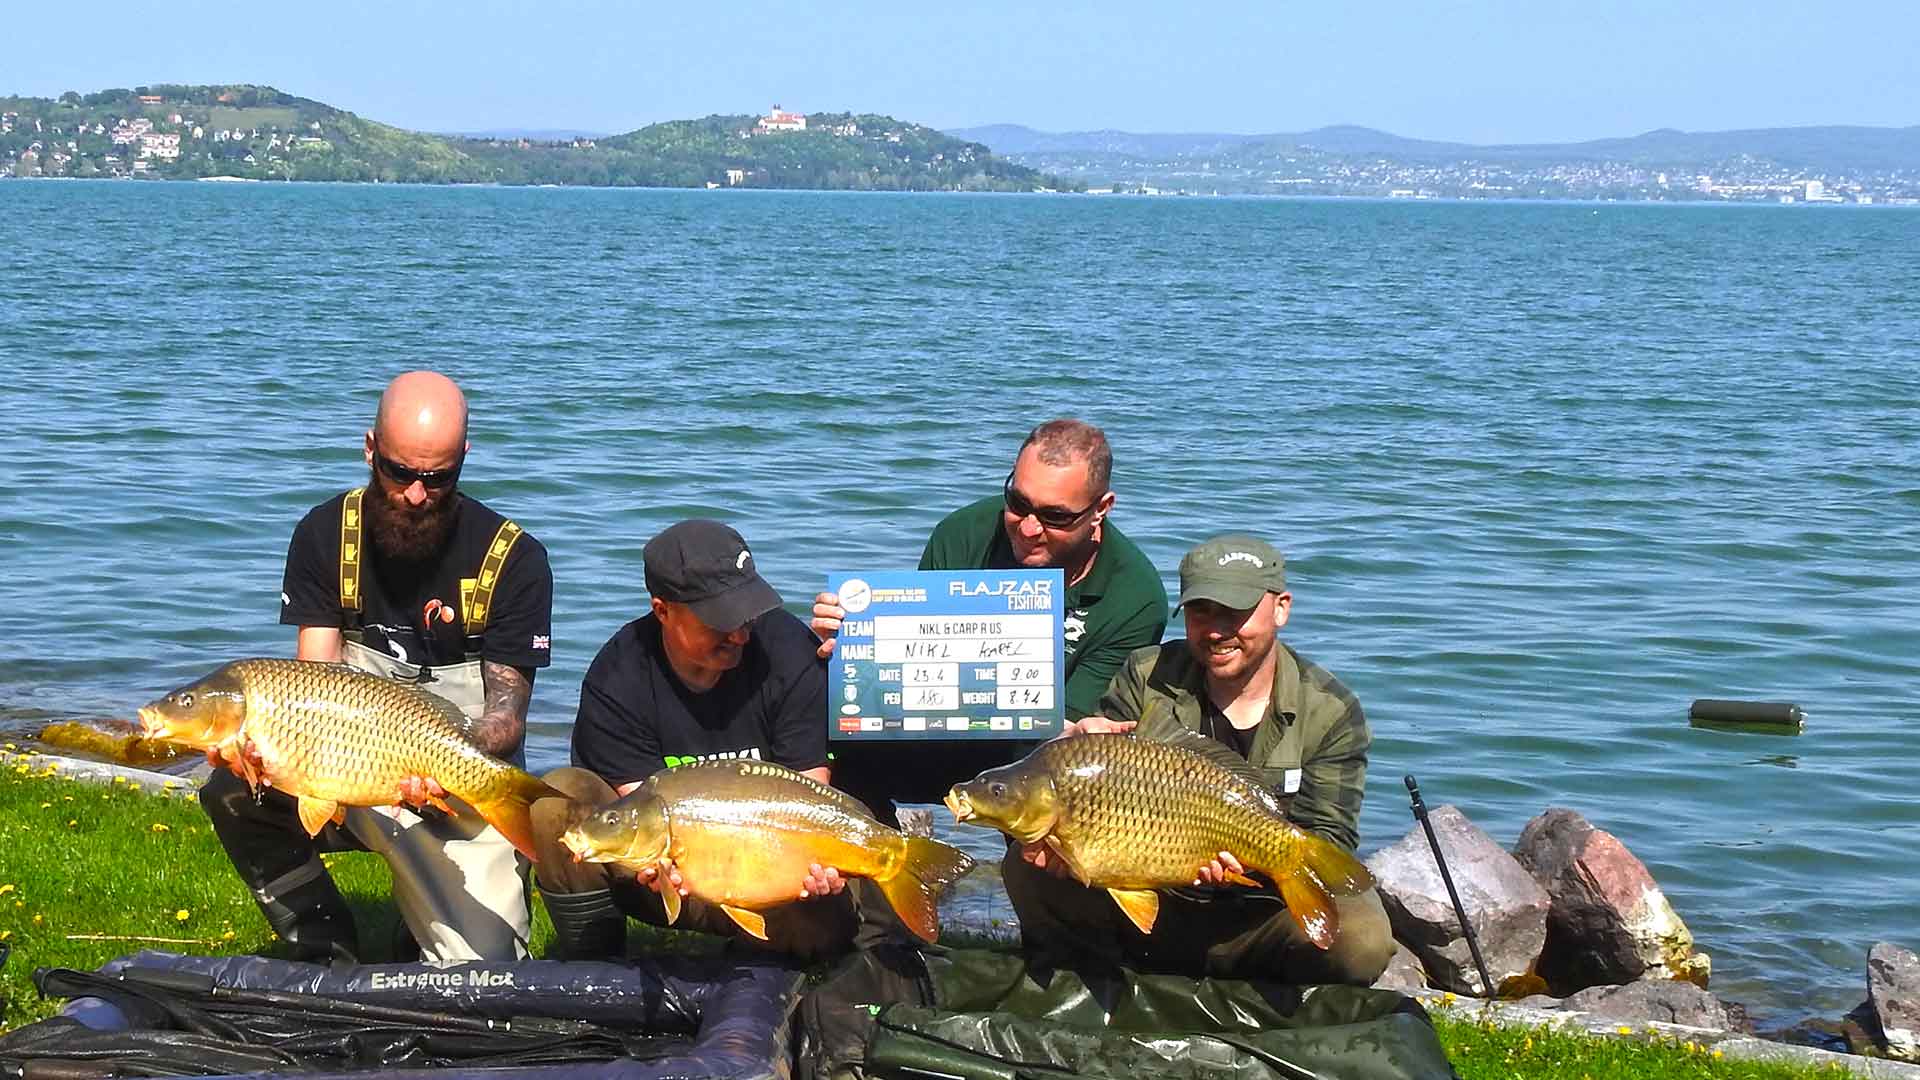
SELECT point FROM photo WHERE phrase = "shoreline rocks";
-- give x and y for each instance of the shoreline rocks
(1608, 923)
(1505, 906)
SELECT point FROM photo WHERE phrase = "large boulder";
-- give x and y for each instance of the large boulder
(1609, 922)
(1671, 1002)
(1507, 909)
(1893, 989)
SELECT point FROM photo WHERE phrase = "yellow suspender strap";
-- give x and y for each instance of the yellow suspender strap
(350, 551)
(481, 599)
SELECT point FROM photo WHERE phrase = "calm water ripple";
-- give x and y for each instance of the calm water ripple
(1544, 473)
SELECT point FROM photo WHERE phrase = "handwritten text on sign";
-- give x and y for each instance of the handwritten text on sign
(946, 654)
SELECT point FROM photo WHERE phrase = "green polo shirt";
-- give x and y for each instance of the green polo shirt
(1310, 747)
(1118, 607)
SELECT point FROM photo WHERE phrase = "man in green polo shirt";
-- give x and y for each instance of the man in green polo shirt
(1051, 512)
(1231, 679)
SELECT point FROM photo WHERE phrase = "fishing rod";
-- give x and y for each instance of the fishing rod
(1466, 927)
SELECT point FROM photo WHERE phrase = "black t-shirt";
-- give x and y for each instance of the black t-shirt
(1240, 740)
(394, 596)
(637, 717)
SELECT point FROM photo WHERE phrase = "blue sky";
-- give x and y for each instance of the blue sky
(1471, 70)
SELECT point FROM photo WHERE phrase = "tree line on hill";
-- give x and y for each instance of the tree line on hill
(257, 132)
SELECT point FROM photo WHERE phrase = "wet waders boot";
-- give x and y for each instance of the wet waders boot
(306, 909)
(586, 926)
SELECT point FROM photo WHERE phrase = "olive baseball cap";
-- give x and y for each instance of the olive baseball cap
(706, 566)
(1233, 571)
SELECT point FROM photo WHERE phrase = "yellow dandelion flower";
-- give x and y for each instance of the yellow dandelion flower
(69, 798)
(1626, 1029)
(45, 805)
(38, 919)
(119, 779)
(72, 823)
(183, 915)
(10, 746)
(168, 785)
(158, 827)
(228, 936)
(1717, 1053)
(5, 889)
(5, 934)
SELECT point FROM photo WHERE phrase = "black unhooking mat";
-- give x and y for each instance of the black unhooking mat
(981, 1014)
(159, 1014)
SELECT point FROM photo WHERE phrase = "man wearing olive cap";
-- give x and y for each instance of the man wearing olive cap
(715, 670)
(1231, 679)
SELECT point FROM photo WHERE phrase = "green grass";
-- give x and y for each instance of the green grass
(83, 860)
(1481, 1050)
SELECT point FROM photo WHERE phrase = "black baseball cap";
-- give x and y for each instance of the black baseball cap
(706, 566)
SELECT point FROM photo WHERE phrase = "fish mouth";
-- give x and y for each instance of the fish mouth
(958, 802)
(152, 724)
(583, 849)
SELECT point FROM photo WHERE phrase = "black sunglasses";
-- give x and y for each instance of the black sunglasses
(1052, 517)
(431, 479)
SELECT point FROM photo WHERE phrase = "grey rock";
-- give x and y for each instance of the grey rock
(1609, 923)
(1893, 989)
(1670, 1001)
(1507, 909)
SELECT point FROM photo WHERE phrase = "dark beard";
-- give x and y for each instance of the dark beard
(404, 534)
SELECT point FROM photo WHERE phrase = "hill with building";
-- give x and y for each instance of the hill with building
(1823, 164)
(260, 133)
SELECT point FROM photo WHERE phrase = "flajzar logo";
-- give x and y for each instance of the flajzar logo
(1003, 587)
(1242, 556)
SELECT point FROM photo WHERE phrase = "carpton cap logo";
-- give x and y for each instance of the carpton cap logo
(741, 562)
(1242, 556)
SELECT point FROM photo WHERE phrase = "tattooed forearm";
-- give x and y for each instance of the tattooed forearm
(503, 723)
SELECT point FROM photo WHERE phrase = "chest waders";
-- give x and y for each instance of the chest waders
(460, 886)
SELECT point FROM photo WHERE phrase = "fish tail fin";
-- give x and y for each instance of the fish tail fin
(1338, 869)
(507, 804)
(1320, 871)
(928, 867)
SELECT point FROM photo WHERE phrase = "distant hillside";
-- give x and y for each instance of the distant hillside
(1834, 147)
(258, 132)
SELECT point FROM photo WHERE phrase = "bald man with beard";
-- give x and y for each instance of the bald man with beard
(412, 579)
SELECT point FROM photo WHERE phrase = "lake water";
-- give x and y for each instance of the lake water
(1544, 473)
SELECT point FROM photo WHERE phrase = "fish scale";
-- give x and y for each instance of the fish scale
(1133, 815)
(334, 736)
(1154, 812)
(744, 834)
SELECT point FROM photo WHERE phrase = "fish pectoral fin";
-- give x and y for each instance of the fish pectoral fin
(751, 921)
(1242, 879)
(669, 896)
(1312, 908)
(442, 804)
(1072, 865)
(1142, 906)
(315, 813)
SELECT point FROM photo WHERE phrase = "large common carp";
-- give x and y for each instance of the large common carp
(743, 833)
(1130, 816)
(334, 736)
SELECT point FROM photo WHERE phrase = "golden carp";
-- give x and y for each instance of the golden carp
(1130, 816)
(743, 833)
(334, 736)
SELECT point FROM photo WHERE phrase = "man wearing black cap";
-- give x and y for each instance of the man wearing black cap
(1301, 729)
(716, 670)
